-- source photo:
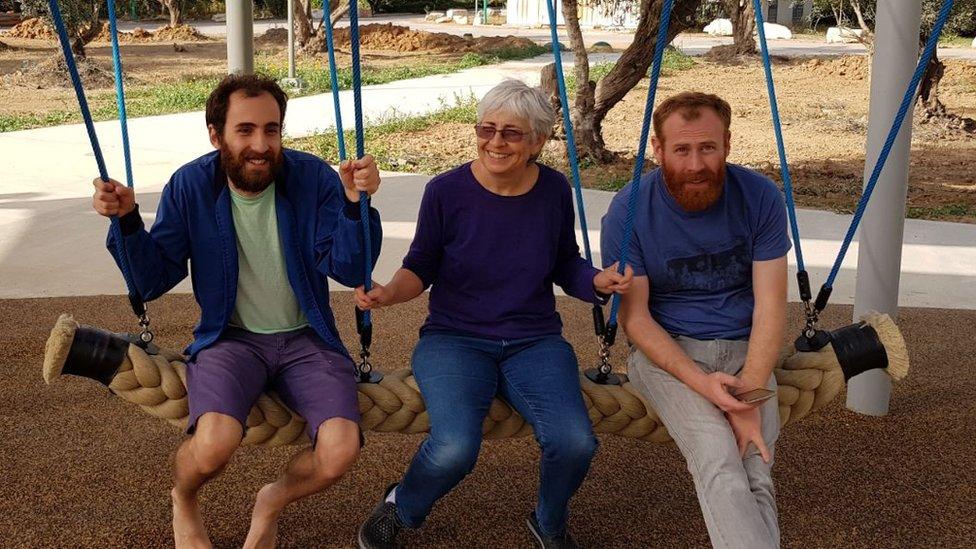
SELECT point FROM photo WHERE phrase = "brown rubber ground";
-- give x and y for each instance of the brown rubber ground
(81, 468)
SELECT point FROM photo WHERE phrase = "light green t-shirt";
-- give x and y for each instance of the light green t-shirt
(266, 303)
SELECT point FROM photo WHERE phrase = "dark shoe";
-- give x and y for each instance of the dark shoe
(381, 529)
(561, 541)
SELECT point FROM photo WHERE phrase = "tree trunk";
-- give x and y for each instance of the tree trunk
(933, 109)
(175, 10)
(867, 35)
(589, 138)
(338, 13)
(303, 23)
(594, 101)
(86, 32)
(743, 25)
(929, 89)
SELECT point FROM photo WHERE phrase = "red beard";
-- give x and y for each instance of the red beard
(237, 170)
(694, 200)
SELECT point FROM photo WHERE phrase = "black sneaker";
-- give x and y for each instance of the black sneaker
(381, 529)
(561, 541)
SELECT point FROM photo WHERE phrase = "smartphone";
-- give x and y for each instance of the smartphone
(755, 396)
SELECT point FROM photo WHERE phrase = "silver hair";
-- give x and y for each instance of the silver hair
(517, 98)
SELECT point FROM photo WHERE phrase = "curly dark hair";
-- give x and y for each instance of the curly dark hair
(251, 84)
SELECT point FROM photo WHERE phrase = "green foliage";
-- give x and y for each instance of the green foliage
(947, 211)
(962, 21)
(325, 145)
(674, 60)
(421, 6)
(75, 13)
(191, 94)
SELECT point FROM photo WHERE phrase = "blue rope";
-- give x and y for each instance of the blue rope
(568, 124)
(90, 127)
(360, 148)
(662, 36)
(896, 125)
(784, 168)
(334, 81)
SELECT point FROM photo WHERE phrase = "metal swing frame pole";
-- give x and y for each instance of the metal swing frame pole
(881, 236)
(240, 37)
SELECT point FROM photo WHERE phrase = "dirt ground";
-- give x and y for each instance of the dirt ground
(85, 469)
(168, 55)
(823, 106)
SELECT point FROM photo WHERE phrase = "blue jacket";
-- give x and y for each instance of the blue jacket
(320, 230)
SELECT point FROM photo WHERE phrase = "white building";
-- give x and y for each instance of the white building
(626, 13)
(610, 14)
(789, 13)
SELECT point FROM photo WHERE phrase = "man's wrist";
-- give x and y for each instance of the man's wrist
(751, 380)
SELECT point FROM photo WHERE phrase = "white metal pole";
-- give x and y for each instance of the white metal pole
(896, 46)
(291, 39)
(240, 36)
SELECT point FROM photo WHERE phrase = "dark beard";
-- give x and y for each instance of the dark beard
(236, 169)
(695, 200)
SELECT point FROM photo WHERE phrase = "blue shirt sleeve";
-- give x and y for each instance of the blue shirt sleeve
(424, 257)
(771, 240)
(612, 232)
(339, 242)
(157, 258)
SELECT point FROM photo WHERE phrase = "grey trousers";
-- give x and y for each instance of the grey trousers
(736, 494)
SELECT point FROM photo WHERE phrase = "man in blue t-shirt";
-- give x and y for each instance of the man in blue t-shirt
(706, 312)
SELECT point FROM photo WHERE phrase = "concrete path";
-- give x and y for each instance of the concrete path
(689, 43)
(58, 159)
(52, 244)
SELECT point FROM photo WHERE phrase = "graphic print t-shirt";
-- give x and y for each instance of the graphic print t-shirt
(699, 265)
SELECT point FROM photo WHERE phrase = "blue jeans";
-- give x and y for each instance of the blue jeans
(458, 377)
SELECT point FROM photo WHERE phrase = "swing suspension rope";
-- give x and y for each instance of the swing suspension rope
(659, 45)
(364, 325)
(803, 280)
(135, 300)
(607, 331)
(599, 326)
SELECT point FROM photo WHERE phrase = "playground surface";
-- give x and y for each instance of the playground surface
(85, 469)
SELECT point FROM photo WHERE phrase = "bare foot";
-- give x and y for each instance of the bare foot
(264, 520)
(188, 529)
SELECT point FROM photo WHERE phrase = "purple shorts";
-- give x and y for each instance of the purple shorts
(312, 379)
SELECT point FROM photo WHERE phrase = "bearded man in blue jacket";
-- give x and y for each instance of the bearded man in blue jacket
(262, 227)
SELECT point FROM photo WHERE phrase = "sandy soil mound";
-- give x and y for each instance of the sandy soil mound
(851, 66)
(379, 36)
(35, 28)
(181, 33)
(53, 73)
(276, 37)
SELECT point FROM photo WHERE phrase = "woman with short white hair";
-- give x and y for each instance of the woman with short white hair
(493, 235)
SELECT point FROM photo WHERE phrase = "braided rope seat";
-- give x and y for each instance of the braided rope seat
(807, 381)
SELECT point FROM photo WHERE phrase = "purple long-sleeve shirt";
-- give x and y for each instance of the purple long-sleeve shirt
(491, 260)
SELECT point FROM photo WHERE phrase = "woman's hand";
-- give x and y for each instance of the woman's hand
(376, 298)
(610, 281)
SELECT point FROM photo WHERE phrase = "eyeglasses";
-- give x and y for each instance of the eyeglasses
(509, 135)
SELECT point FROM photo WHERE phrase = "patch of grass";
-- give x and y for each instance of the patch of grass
(673, 60)
(191, 94)
(950, 40)
(945, 211)
(13, 123)
(326, 145)
(612, 184)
